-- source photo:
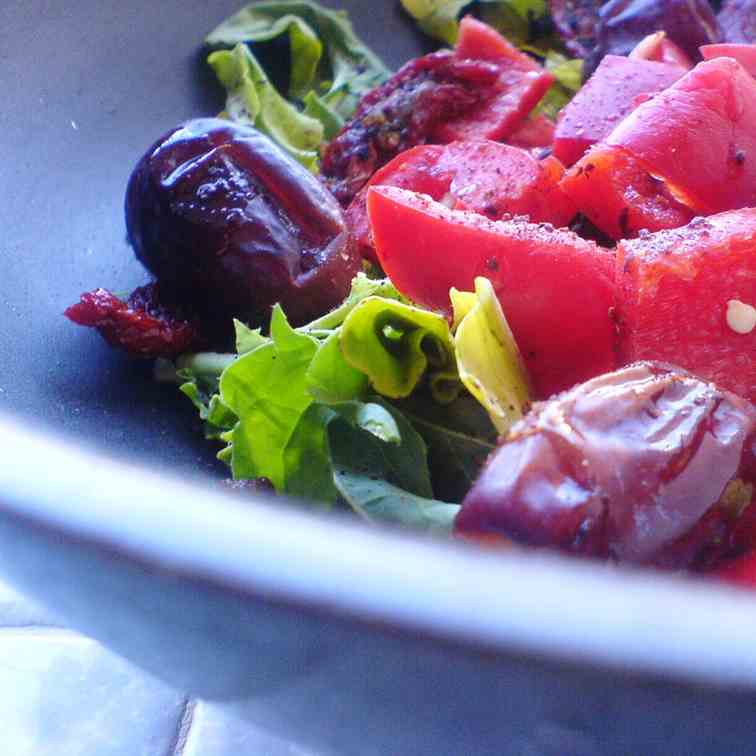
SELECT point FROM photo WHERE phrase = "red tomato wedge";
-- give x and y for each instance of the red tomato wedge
(699, 136)
(556, 289)
(615, 89)
(536, 132)
(485, 177)
(520, 85)
(675, 295)
(744, 54)
(620, 196)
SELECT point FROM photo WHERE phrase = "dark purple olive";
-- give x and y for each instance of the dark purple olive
(576, 22)
(230, 224)
(624, 23)
(648, 465)
(738, 21)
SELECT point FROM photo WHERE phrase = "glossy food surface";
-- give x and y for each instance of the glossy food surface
(222, 216)
(648, 465)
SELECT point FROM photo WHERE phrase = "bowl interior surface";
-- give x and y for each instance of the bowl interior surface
(87, 88)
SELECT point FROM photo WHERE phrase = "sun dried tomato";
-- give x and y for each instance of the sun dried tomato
(401, 114)
(141, 325)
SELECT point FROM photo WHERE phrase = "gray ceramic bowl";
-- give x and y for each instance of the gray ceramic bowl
(346, 640)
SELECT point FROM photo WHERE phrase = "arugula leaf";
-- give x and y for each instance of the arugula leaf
(459, 438)
(489, 362)
(378, 491)
(331, 67)
(253, 99)
(394, 344)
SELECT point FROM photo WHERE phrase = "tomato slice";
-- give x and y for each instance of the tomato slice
(521, 84)
(485, 177)
(556, 289)
(674, 295)
(607, 97)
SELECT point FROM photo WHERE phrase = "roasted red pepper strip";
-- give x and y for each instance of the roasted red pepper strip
(620, 196)
(699, 137)
(617, 86)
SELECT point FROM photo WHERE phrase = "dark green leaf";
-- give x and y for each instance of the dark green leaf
(338, 73)
(362, 475)
(459, 437)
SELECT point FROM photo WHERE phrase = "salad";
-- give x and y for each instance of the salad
(507, 292)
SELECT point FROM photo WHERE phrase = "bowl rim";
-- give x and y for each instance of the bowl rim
(533, 604)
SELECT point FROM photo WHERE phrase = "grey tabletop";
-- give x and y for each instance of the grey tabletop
(62, 694)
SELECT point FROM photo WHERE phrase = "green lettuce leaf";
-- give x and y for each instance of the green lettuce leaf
(513, 18)
(282, 400)
(569, 79)
(307, 457)
(198, 376)
(252, 99)
(331, 68)
(276, 400)
(395, 344)
(362, 288)
(437, 18)
(248, 339)
(267, 390)
(489, 362)
(330, 378)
